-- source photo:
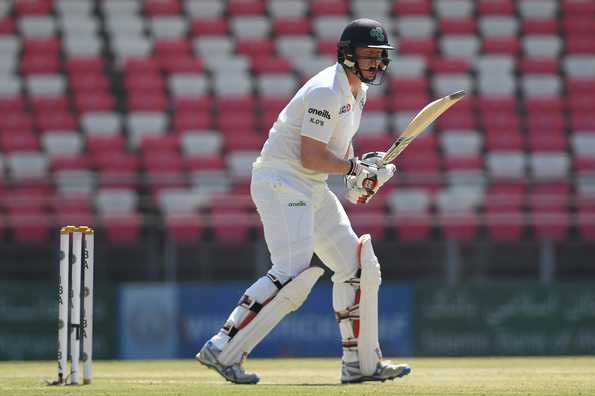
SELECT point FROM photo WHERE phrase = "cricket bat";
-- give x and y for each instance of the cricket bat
(419, 123)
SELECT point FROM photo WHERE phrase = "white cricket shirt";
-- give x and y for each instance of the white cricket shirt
(323, 109)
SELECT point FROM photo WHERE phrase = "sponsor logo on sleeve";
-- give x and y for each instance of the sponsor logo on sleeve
(320, 113)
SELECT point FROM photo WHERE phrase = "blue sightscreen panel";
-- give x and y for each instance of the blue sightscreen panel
(311, 331)
(147, 322)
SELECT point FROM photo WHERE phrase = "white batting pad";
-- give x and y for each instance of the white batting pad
(289, 298)
(367, 343)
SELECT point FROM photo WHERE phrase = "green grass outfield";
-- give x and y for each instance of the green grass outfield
(456, 376)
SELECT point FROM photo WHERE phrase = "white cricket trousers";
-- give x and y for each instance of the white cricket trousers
(300, 219)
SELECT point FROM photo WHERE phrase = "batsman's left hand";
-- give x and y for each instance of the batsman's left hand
(384, 172)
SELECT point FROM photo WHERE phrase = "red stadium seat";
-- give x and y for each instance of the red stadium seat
(447, 65)
(376, 103)
(204, 163)
(503, 46)
(18, 141)
(273, 105)
(291, 27)
(180, 64)
(114, 144)
(329, 7)
(550, 224)
(230, 227)
(501, 120)
(7, 26)
(418, 46)
(490, 104)
(67, 215)
(243, 141)
(209, 27)
(171, 47)
(162, 7)
(463, 163)
(48, 121)
(413, 227)
(191, 120)
(543, 105)
(184, 229)
(121, 229)
(245, 7)
(364, 144)
(503, 139)
(159, 144)
(506, 225)
(370, 222)
(408, 7)
(17, 121)
(272, 65)
(413, 86)
(80, 162)
(460, 226)
(582, 122)
(241, 121)
(33, 7)
(114, 177)
(94, 101)
(46, 46)
(43, 104)
(40, 63)
(12, 104)
(580, 45)
(550, 121)
(585, 215)
(256, 48)
(457, 120)
(577, 26)
(140, 66)
(235, 104)
(457, 26)
(539, 66)
(537, 140)
(550, 196)
(145, 101)
(584, 166)
(30, 227)
(574, 7)
(496, 7)
(88, 81)
(411, 102)
(84, 65)
(538, 26)
(109, 160)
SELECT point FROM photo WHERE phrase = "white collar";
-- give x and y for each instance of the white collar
(343, 82)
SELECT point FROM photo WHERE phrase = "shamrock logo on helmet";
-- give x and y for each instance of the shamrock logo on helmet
(377, 33)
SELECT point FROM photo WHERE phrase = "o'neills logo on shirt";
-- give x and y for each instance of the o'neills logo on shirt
(345, 109)
(321, 113)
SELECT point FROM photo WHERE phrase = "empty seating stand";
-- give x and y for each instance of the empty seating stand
(146, 97)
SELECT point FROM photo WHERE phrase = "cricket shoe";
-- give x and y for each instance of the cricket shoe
(351, 374)
(234, 373)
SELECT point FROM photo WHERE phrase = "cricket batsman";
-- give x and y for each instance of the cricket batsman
(312, 138)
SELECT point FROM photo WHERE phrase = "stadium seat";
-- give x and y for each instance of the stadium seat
(184, 229)
(412, 219)
(230, 227)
